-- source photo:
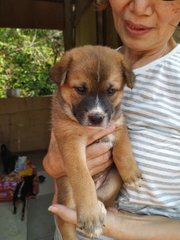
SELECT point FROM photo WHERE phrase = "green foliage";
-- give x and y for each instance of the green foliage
(26, 56)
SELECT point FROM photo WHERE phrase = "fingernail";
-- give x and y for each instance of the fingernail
(52, 208)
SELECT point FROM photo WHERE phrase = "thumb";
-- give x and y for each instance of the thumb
(67, 214)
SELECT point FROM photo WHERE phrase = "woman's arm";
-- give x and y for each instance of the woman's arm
(120, 225)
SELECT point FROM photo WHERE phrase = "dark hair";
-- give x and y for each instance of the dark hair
(101, 4)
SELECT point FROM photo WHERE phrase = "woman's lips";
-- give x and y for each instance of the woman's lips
(136, 29)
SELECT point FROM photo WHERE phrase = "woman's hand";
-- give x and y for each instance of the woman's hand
(52, 162)
(117, 224)
(98, 155)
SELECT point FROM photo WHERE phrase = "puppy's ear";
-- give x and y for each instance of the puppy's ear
(128, 75)
(58, 73)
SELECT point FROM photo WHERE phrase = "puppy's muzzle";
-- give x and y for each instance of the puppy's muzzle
(96, 118)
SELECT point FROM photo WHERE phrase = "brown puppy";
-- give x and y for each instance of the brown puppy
(90, 83)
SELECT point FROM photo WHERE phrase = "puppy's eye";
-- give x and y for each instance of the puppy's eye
(81, 90)
(111, 91)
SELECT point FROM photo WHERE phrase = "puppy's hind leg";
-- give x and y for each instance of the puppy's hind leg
(65, 197)
(108, 192)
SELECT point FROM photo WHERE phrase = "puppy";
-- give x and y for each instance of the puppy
(90, 82)
(23, 190)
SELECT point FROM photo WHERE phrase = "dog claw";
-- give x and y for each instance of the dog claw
(95, 234)
(135, 184)
(134, 179)
(92, 224)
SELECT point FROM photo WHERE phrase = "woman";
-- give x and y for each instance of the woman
(152, 114)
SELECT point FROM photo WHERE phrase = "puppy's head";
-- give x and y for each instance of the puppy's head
(90, 81)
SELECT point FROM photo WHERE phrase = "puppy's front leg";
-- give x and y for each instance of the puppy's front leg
(90, 211)
(124, 159)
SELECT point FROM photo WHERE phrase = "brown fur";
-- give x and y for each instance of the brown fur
(97, 68)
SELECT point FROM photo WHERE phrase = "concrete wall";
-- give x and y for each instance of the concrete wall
(25, 123)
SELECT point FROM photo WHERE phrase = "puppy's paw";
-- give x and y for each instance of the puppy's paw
(91, 220)
(132, 177)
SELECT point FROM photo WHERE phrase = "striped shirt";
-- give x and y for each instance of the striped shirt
(152, 113)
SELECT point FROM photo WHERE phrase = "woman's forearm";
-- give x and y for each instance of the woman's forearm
(124, 226)
(137, 227)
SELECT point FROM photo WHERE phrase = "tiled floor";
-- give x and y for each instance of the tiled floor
(12, 228)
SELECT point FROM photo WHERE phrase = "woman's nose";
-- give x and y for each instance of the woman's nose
(141, 7)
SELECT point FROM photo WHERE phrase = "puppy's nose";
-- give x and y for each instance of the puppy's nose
(96, 118)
